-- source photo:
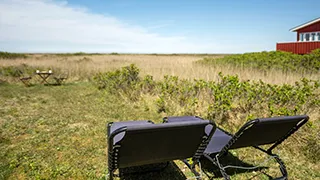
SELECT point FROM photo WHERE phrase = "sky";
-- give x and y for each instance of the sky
(149, 26)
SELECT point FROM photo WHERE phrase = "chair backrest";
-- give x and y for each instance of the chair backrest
(155, 143)
(267, 131)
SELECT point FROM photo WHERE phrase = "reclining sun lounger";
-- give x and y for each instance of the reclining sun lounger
(136, 143)
(254, 133)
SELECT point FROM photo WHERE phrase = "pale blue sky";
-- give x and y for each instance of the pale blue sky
(144, 26)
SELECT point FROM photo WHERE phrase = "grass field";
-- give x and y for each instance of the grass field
(81, 68)
(58, 132)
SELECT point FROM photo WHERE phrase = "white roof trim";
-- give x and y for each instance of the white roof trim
(304, 25)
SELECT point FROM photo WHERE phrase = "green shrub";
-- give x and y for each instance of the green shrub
(11, 71)
(17, 71)
(284, 61)
(7, 55)
(77, 54)
(312, 148)
(215, 100)
(229, 101)
(22, 70)
(121, 81)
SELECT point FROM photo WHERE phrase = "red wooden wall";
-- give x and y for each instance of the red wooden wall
(298, 47)
(311, 28)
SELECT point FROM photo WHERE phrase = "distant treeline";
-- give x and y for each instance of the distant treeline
(7, 55)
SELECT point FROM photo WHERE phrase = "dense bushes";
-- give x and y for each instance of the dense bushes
(76, 54)
(284, 61)
(7, 55)
(16, 71)
(228, 101)
(229, 98)
(23, 70)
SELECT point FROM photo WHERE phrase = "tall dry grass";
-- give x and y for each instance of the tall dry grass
(184, 66)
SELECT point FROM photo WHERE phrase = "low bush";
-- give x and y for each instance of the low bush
(17, 71)
(219, 101)
(7, 55)
(229, 101)
(77, 54)
(22, 70)
(284, 61)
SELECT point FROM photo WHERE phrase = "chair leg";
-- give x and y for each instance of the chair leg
(58, 80)
(224, 174)
(110, 170)
(26, 81)
(192, 167)
(279, 161)
(216, 162)
(110, 177)
(282, 168)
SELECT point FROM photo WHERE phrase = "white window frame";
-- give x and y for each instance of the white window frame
(304, 36)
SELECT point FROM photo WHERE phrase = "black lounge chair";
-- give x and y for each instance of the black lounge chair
(137, 143)
(254, 133)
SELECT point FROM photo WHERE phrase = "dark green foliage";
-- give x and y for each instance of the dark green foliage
(284, 61)
(215, 100)
(124, 81)
(17, 71)
(312, 149)
(22, 70)
(7, 55)
(229, 101)
(77, 54)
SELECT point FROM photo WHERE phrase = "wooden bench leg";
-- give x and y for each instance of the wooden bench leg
(59, 80)
(26, 81)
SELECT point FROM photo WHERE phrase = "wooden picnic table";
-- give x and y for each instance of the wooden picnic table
(44, 75)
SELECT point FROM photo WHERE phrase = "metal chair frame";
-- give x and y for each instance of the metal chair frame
(250, 124)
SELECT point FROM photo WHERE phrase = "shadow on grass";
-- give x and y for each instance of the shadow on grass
(154, 172)
(229, 159)
(56, 84)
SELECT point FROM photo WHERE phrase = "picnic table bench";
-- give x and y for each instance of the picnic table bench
(26, 80)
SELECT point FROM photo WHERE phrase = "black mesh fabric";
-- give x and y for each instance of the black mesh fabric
(266, 131)
(155, 143)
(217, 142)
(256, 132)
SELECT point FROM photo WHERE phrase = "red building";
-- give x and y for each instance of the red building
(308, 38)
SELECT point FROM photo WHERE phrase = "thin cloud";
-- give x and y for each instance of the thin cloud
(160, 24)
(51, 26)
